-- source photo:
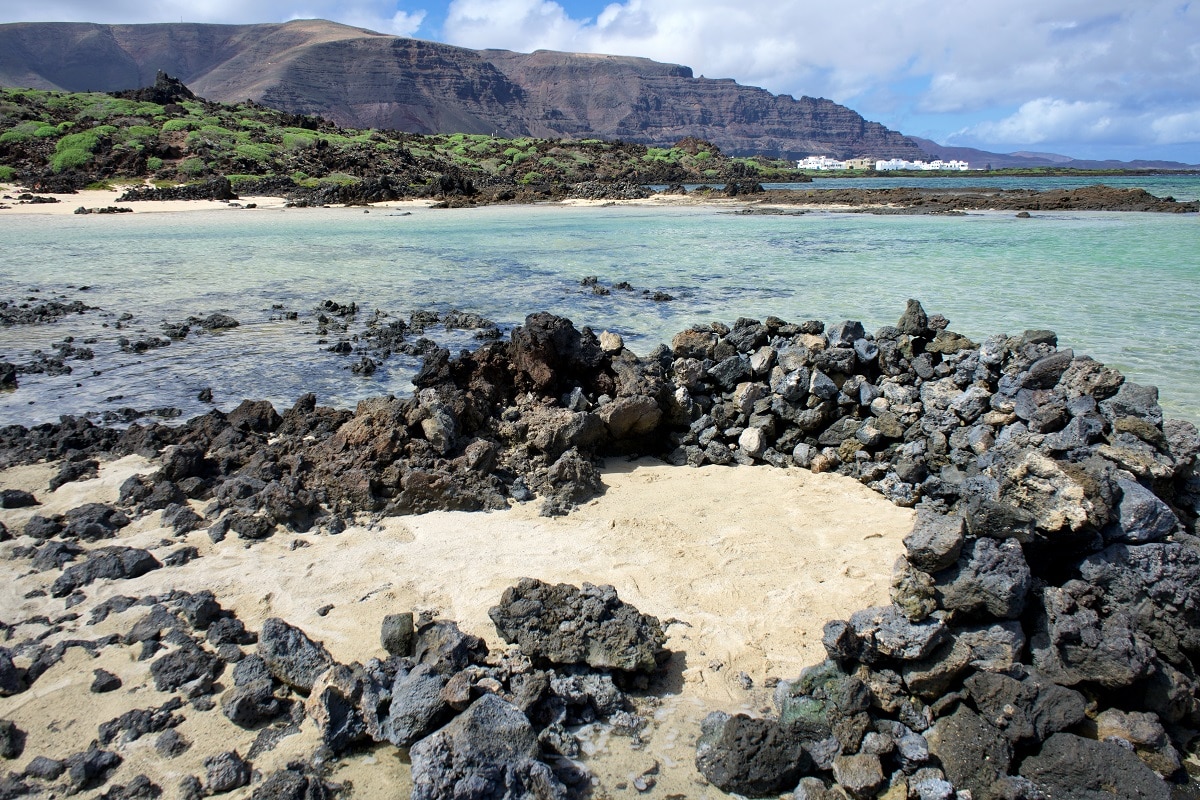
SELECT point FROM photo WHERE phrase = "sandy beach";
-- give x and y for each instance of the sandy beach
(744, 564)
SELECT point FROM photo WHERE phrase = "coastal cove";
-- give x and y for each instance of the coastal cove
(1120, 287)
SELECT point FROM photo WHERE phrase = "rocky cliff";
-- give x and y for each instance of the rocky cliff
(359, 78)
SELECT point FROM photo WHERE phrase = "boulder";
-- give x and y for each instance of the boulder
(1075, 642)
(488, 751)
(564, 624)
(112, 563)
(973, 753)
(990, 577)
(1029, 709)
(1141, 516)
(749, 756)
(290, 656)
(935, 541)
(225, 772)
(1070, 766)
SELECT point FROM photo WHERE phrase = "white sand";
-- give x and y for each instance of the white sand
(95, 198)
(751, 561)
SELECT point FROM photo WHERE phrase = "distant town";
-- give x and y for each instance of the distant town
(826, 163)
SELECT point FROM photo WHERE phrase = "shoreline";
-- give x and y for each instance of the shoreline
(1028, 468)
(920, 200)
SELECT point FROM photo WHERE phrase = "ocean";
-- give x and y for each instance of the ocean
(1121, 287)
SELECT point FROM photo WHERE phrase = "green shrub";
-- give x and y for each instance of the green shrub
(6, 173)
(192, 167)
(20, 132)
(338, 179)
(180, 125)
(154, 163)
(532, 177)
(257, 153)
(298, 140)
(76, 149)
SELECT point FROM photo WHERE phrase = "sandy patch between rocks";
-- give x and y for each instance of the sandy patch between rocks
(746, 563)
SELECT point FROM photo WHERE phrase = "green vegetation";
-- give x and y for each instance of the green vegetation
(6, 173)
(114, 137)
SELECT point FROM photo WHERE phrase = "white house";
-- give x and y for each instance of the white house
(927, 166)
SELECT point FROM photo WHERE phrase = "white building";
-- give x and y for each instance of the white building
(926, 166)
(821, 163)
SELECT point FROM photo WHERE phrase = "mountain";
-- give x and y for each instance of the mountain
(979, 159)
(359, 78)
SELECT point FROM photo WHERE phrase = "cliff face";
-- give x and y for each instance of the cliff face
(358, 78)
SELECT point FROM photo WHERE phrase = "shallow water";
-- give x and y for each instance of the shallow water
(1123, 288)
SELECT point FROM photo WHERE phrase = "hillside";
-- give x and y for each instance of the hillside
(361, 79)
(55, 140)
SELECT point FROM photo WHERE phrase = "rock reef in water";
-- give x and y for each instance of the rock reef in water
(1044, 616)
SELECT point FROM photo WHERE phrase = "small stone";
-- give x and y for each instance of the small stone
(105, 681)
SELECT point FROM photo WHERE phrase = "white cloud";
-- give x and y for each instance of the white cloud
(385, 16)
(1089, 68)
(1177, 128)
(1048, 119)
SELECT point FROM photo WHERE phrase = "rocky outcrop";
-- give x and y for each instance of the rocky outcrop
(1044, 617)
(362, 79)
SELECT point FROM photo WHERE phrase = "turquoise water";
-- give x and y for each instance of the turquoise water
(1124, 288)
(1181, 187)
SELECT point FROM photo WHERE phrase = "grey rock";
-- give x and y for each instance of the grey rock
(1075, 768)
(749, 756)
(567, 625)
(445, 649)
(932, 677)
(1160, 584)
(914, 321)
(989, 576)
(170, 743)
(252, 703)
(12, 679)
(293, 784)
(396, 634)
(730, 371)
(45, 769)
(935, 541)
(973, 753)
(822, 386)
(884, 632)
(94, 521)
(861, 774)
(866, 350)
(1141, 516)
(290, 655)
(90, 768)
(417, 706)
(488, 751)
(844, 334)
(1032, 708)
(995, 647)
(185, 665)
(225, 772)
(111, 563)
(1134, 400)
(1046, 372)
(12, 740)
(629, 417)
(1075, 643)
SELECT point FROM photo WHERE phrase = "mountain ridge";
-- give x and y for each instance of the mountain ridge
(361, 78)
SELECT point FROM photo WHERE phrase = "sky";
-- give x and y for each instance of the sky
(1094, 79)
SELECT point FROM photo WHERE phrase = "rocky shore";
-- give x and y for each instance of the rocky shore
(1040, 643)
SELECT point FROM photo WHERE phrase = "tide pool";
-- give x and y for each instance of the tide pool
(1123, 288)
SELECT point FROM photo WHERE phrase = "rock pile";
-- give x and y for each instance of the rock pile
(1042, 632)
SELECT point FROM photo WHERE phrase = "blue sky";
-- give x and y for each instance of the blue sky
(1087, 78)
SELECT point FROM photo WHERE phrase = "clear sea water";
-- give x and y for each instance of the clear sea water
(1124, 288)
